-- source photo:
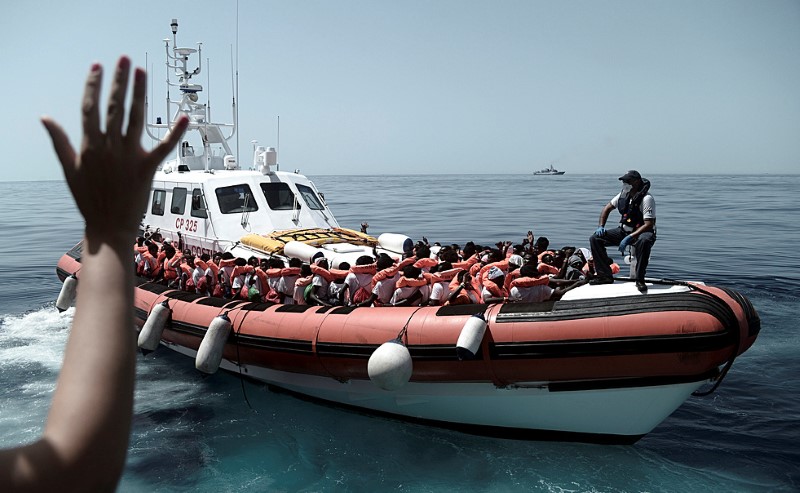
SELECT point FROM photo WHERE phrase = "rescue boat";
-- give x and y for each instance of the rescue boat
(603, 364)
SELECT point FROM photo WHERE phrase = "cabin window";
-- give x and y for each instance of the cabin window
(279, 196)
(236, 198)
(159, 197)
(198, 204)
(178, 201)
(310, 197)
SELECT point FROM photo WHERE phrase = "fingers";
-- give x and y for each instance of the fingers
(136, 115)
(116, 100)
(170, 141)
(89, 106)
(64, 150)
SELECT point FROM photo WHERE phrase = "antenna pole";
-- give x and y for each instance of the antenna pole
(236, 110)
(148, 111)
(278, 149)
(166, 79)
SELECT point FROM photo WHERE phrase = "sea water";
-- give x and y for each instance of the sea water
(220, 434)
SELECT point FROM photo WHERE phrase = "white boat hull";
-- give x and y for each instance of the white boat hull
(614, 414)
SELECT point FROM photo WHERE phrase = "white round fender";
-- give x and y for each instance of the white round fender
(150, 335)
(469, 341)
(66, 298)
(395, 242)
(390, 367)
(209, 354)
(306, 253)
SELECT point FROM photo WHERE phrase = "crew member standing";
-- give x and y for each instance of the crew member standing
(637, 229)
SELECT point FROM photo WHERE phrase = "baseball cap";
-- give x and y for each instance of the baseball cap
(631, 175)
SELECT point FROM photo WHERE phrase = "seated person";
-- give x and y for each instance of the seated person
(385, 280)
(319, 283)
(303, 285)
(411, 288)
(440, 277)
(359, 281)
(493, 290)
(463, 290)
(528, 287)
(336, 288)
(288, 279)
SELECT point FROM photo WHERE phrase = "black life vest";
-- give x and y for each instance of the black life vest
(630, 207)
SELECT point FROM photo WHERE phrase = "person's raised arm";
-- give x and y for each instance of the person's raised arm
(601, 228)
(84, 443)
(605, 213)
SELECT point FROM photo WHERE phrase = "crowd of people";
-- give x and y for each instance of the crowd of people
(426, 275)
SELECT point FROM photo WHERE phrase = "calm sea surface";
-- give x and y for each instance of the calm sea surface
(192, 433)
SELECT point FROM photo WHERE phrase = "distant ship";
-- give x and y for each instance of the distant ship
(549, 171)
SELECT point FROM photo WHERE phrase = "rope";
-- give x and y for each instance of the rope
(404, 331)
(729, 363)
(239, 362)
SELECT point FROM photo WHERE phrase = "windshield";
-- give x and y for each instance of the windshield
(279, 196)
(236, 198)
(310, 197)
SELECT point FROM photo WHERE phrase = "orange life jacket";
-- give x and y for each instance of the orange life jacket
(614, 268)
(231, 262)
(214, 268)
(391, 271)
(425, 263)
(527, 282)
(502, 265)
(445, 275)
(365, 269)
(470, 294)
(405, 282)
(547, 269)
(495, 290)
(329, 275)
(466, 264)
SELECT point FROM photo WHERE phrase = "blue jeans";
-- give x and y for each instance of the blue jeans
(613, 237)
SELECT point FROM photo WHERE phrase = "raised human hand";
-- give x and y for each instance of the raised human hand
(110, 177)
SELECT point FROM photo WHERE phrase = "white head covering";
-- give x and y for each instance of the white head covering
(494, 273)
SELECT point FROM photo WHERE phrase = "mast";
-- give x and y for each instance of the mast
(199, 114)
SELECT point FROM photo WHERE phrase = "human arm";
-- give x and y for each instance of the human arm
(601, 223)
(317, 296)
(456, 288)
(84, 442)
(369, 301)
(561, 291)
(454, 293)
(648, 225)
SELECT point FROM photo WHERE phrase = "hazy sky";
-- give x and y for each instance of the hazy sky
(395, 87)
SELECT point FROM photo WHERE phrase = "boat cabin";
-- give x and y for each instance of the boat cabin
(212, 208)
(203, 194)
